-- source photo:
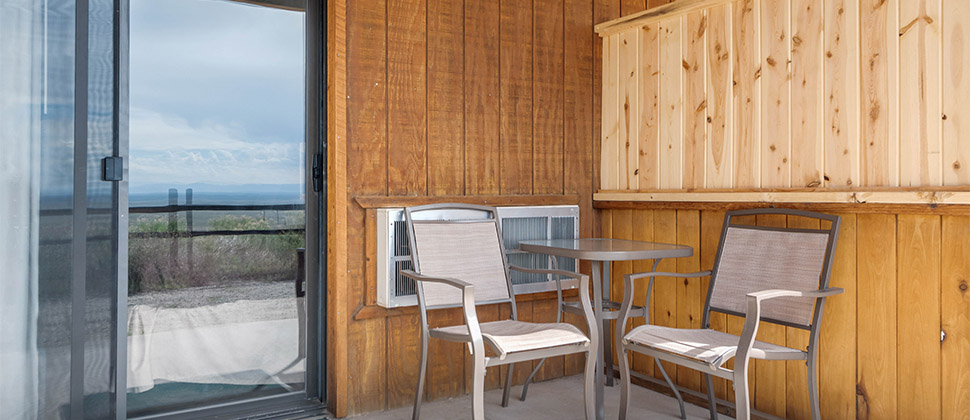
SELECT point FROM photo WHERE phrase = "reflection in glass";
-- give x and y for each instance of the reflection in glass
(217, 119)
(36, 217)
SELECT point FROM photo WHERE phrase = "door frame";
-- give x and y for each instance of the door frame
(314, 394)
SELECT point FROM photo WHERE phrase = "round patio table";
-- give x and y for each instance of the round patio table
(599, 251)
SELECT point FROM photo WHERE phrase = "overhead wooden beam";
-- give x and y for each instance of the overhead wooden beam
(655, 14)
(934, 196)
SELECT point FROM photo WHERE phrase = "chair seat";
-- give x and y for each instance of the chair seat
(705, 345)
(509, 336)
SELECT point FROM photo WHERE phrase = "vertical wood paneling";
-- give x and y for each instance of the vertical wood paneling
(482, 164)
(671, 103)
(695, 97)
(877, 165)
(548, 102)
(648, 72)
(806, 94)
(629, 110)
(403, 335)
(798, 406)
(664, 299)
(643, 230)
(446, 360)
(876, 262)
(919, 93)
(446, 146)
(610, 145)
(746, 100)
(956, 92)
(711, 224)
(918, 316)
(622, 229)
(770, 394)
(515, 90)
(603, 10)
(837, 341)
(366, 129)
(841, 94)
(955, 314)
(407, 141)
(690, 297)
(720, 131)
(775, 137)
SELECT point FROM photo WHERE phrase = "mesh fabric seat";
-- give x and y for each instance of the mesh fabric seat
(704, 345)
(510, 336)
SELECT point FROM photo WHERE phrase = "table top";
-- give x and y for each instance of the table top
(596, 249)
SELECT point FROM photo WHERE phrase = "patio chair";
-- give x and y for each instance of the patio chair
(764, 274)
(459, 261)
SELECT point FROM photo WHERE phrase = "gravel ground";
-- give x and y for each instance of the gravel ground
(193, 297)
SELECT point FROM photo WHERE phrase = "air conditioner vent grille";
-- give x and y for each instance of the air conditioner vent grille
(518, 224)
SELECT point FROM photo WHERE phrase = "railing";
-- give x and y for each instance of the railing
(175, 234)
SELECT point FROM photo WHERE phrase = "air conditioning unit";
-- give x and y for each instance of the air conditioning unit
(518, 224)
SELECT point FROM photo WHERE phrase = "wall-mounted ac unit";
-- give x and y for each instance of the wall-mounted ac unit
(518, 224)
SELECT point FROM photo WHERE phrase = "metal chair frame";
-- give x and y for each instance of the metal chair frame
(745, 351)
(474, 337)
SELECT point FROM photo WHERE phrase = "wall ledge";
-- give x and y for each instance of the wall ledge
(936, 200)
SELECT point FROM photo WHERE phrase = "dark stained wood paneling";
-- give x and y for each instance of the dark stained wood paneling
(482, 160)
(446, 145)
(407, 125)
(516, 99)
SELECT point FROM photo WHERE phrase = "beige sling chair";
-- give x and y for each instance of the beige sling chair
(764, 274)
(459, 261)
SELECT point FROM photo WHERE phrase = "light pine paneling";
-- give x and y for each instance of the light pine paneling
(796, 94)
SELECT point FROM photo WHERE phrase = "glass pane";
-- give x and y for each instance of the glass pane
(101, 279)
(37, 186)
(216, 203)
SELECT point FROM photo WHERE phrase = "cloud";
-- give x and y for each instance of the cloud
(167, 149)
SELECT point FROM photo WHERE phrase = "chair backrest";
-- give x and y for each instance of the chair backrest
(752, 258)
(459, 241)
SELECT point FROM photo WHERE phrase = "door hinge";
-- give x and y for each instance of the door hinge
(112, 168)
(317, 172)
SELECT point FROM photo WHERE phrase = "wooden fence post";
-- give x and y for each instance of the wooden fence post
(173, 223)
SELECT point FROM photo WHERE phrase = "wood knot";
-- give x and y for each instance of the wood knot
(956, 165)
(771, 61)
(964, 286)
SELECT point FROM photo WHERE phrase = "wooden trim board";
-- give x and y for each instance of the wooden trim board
(654, 14)
(935, 196)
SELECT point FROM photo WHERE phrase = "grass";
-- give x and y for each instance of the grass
(171, 263)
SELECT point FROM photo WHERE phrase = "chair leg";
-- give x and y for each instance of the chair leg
(680, 400)
(813, 391)
(608, 354)
(624, 383)
(508, 385)
(589, 384)
(419, 395)
(525, 386)
(741, 401)
(711, 400)
(478, 388)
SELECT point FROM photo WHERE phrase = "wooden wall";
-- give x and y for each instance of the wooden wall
(789, 93)
(488, 101)
(881, 355)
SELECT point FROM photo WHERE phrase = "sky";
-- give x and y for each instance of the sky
(216, 94)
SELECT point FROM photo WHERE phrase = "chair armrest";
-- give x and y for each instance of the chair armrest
(812, 294)
(467, 303)
(453, 282)
(752, 316)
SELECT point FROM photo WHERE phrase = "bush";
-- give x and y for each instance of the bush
(167, 263)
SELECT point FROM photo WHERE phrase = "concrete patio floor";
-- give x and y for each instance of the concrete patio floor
(554, 400)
